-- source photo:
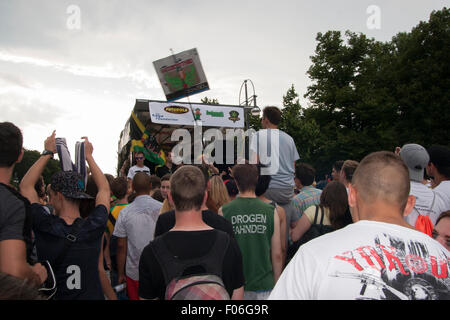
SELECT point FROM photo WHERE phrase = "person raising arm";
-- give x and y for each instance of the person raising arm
(66, 194)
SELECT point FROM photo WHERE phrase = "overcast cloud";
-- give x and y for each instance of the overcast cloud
(85, 81)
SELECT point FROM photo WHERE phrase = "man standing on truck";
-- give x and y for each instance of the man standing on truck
(139, 167)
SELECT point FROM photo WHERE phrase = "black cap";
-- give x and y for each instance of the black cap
(70, 184)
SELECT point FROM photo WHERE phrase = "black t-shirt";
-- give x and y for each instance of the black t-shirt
(12, 215)
(166, 221)
(77, 276)
(187, 245)
(15, 219)
(162, 171)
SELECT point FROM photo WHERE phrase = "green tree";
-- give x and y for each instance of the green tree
(421, 82)
(349, 103)
(368, 95)
(254, 121)
(304, 131)
(29, 158)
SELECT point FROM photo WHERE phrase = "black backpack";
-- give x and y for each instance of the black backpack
(316, 230)
(203, 286)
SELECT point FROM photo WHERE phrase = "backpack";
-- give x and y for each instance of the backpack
(316, 230)
(203, 286)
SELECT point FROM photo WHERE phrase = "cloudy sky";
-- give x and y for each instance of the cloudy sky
(78, 66)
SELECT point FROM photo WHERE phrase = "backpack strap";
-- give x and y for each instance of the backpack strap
(434, 197)
(431, 206)
(70, 239)
(315, 215)
(173, 267)
(321, 218)
(323, 214)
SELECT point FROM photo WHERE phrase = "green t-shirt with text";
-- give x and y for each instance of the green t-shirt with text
(253, 224)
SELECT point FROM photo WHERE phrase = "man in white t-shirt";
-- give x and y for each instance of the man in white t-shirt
(439, 169)
(134, 229)
(416, 159)
(139, 167)
(277, 150)
(380, 256)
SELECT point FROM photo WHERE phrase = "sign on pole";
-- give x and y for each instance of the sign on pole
(181, 75)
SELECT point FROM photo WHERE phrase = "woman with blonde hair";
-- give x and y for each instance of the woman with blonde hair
(166, 206)
(218, 193)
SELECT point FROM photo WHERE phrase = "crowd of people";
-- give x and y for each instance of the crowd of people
(379, 228)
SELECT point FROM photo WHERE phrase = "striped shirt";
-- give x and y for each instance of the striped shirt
(307, 197)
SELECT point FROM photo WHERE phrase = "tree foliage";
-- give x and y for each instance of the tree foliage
(29, 158)
(254, 121)
(421, 80)
(305, 132)
(368, 95)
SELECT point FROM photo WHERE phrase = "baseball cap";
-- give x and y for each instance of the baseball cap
(416, 159)
(70, 184)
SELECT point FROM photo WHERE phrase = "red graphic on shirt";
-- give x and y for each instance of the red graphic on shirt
(411, 262)
(392, 268)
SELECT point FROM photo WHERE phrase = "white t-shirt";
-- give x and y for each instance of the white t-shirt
(443, 191)
(426, 203)
(367, 260)
(135, 169)
(276, 149)
(137, 223)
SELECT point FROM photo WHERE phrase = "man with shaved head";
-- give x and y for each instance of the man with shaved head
(384, 181)
(134, 229)
(380, 256)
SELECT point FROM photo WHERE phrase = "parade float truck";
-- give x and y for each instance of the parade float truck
(151, 124)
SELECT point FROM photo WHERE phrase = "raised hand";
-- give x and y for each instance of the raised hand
(88, 147)
(50, 142)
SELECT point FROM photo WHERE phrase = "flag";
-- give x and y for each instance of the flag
(143, 141)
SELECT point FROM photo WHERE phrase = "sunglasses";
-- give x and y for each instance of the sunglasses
(139, 158)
